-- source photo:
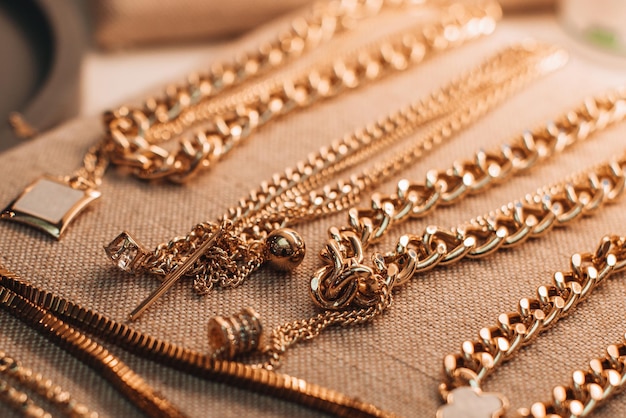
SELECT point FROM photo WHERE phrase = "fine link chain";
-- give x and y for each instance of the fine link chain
(129, 143)
(297, 194)
(87, 350)
(345, 279)
(499, 344)
(20, 402)
(53, 393)
(512, 224)
(27, 302)
(452, 108)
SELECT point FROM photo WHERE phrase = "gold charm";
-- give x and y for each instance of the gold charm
(126, 252)
(237, 334)
(174, 276)
(49, 204)
(467, 402)
(284, 249)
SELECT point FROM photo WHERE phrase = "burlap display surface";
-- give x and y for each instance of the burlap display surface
(393, 362)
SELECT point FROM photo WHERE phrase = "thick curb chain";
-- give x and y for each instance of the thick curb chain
(297, 194)
(293, 196)
(512, 224)
(498, 344)
(128, 129)
(346, 280)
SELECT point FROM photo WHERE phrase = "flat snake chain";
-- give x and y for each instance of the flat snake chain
(47, 312)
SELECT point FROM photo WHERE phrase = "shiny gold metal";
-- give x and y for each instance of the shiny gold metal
(499, 344)
(126, 252)
(351, 292)
(49, 204)
(175, 275)
(511, 225)
(135, 134)
(308, 190)
(109, 366)
(284, 249)
(345, 281)
(230, 105)
(234, 335)
(44, 387)
(43, 311)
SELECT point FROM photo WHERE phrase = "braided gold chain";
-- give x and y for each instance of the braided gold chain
(299, 193)
(499, 344)
(134, 134)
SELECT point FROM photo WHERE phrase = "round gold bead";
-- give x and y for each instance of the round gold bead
(284, 249)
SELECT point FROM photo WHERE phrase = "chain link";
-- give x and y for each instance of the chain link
(53, 393)
(358, 288)
(344, 279)
(134, 134)
(284, 336)
(298, 194)
(498, 344)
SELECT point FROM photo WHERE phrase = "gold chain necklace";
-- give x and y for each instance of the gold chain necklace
(583, 194)
(206, 125)
(108, 366)
(466, 371)
(53, 393)
(226, 252)
(52, 315)
(351, 292)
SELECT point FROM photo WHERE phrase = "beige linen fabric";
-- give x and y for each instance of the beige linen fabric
(393, 362)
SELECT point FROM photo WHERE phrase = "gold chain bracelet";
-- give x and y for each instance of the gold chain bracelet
(465, 372)
(232, 122)
(507, 227)
(52, 393)
(226, 252)
(136, 137)
(580, 195)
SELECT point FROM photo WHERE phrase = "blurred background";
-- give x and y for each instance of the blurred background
(68, 58)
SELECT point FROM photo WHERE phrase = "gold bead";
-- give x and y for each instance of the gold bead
(233, 335)
(284, 249)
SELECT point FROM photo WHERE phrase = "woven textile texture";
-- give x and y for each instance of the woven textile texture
(395, 361)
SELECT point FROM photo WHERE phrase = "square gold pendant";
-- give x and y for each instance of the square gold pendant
(49, 204)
